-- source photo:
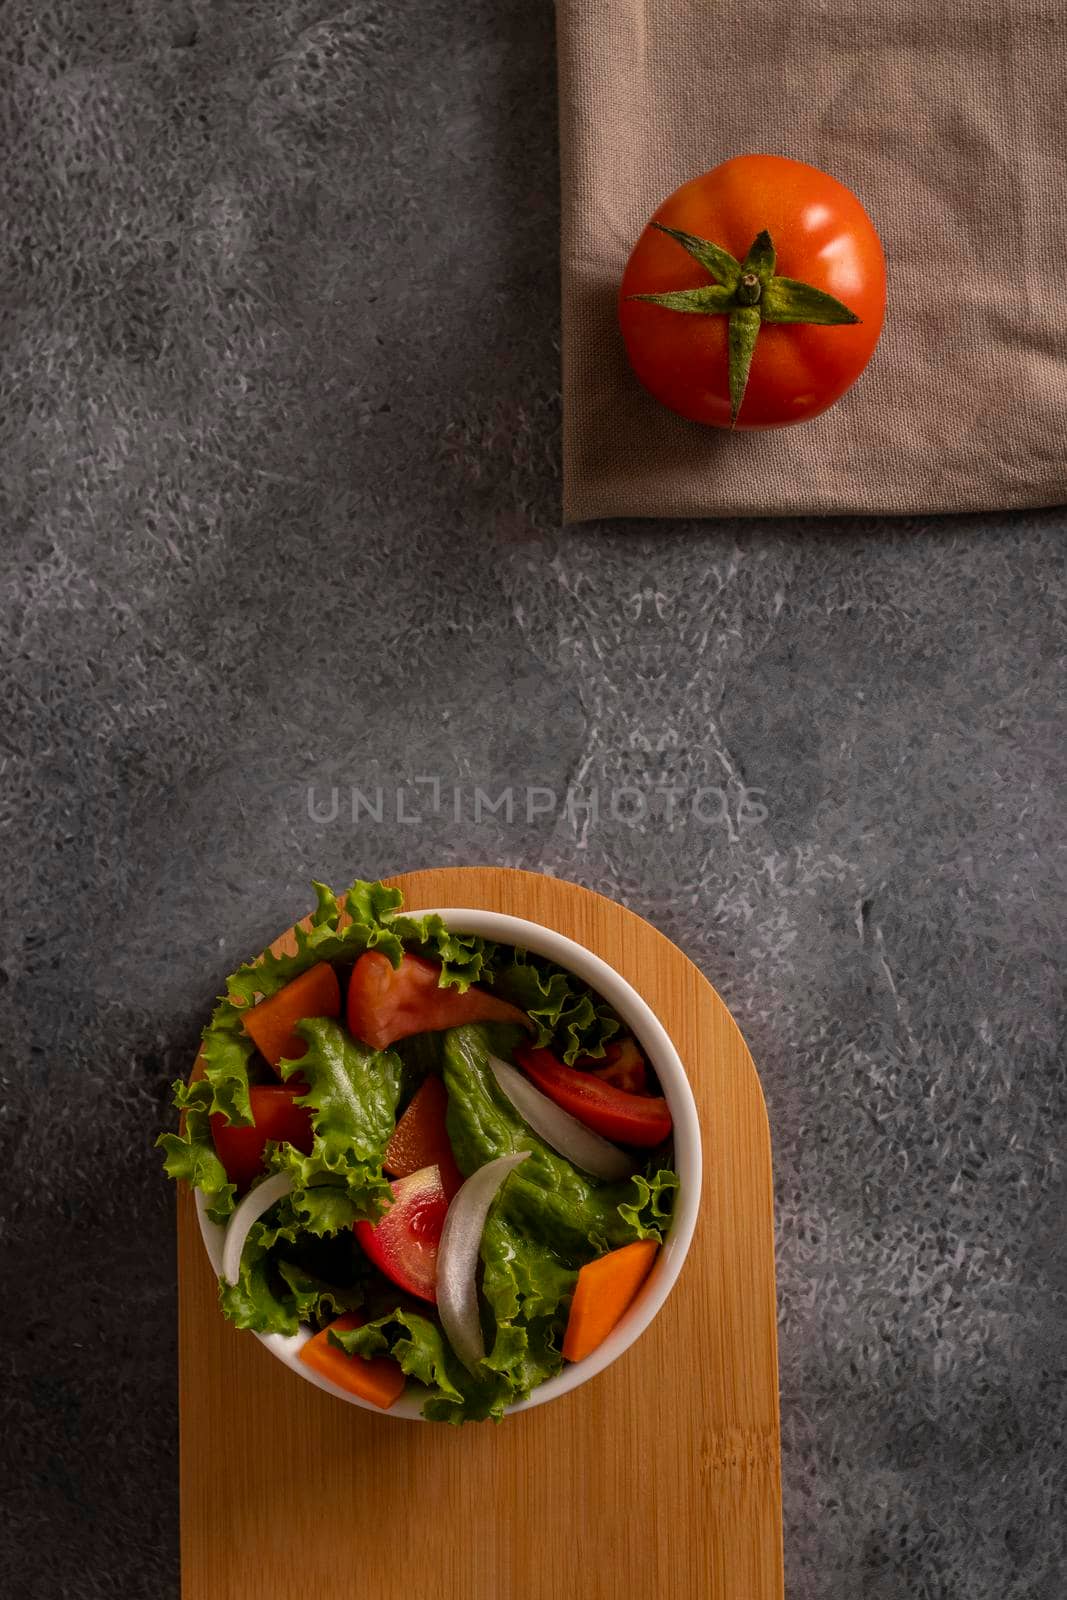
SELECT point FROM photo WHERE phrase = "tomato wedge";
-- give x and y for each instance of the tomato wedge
(271, 1023)
(386, 1003)
(634, 1119)
(420, 1138)
(377, 1379)
(275, 1115)
(404, 1243)
(622, 1065)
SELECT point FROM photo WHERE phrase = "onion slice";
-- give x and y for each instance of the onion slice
(457, 1257)
(248, 1213)
(558, 1128)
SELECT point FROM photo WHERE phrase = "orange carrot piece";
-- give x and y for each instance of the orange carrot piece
(420, 1139)
(606, 1287)
(271, 1023)
(378, 1379)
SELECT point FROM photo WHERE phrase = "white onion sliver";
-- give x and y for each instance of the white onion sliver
(558, 1128)
(248, 1213)
(457, 1257)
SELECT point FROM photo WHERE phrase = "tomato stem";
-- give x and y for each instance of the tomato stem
(748, 293)
(744, 331)
(748, 290)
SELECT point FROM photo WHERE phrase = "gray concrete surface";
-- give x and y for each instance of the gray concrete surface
(280, 447)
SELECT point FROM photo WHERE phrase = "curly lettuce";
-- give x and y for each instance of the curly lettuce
(190, 1154)
(418, 1345)
(352, 1093)
(340, 928)
(366, 917)
(570, 1019)
(288, 1277)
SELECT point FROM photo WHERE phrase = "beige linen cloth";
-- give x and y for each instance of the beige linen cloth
(949, 120)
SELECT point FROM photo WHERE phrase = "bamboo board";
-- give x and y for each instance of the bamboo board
(660, 1478)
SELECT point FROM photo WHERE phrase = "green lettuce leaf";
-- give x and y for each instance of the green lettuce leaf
(352, 1093)
(288, 1276)
(369, 905)
(546, 1199)
(191, 1155)
(528, 1290)
(570, 1019)
(463, 956)
(649, 1214)
(326, 1209)
(316, 1301)
(227, 1048)
(521, 1276)
(376, 923)
(424, 1354)
(526, 1354)
(226, 1052)
(257, 1301)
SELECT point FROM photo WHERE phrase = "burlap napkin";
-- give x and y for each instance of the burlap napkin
(949, 120)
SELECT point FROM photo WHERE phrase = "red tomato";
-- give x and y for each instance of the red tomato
(386, 1003)
(622, 1065)
(420, 1138)
(822, 236)
(404, 1243)
(636, 1119)
(275, 1115)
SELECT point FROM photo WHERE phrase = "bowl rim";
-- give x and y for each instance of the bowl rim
(658, 1045)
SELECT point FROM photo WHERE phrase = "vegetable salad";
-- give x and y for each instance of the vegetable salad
(445, 1158)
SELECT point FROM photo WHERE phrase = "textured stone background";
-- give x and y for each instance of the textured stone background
(280, 440)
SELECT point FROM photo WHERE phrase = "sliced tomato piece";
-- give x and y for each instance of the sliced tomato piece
(377, 1378)
(420, 1138)
(386, 1003)
(404, 1243)
(622, 1065)
(275, 1115)
(271, 1024)
(634, 1119)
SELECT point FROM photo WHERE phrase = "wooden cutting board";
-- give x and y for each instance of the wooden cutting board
(660, 1479)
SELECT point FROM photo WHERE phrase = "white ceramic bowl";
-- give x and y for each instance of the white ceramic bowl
(652, 1036)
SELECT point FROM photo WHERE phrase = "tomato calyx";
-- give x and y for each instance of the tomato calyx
(749, 293)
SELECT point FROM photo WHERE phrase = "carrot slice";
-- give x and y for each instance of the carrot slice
(378, 1379)
(271, 1023)
(606, 1287)
(420, 1139)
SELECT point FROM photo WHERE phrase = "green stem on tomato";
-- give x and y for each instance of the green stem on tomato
(750, 294)
(744, 331)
